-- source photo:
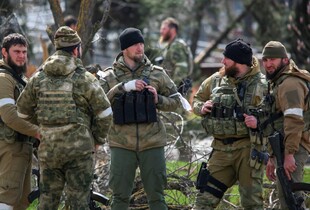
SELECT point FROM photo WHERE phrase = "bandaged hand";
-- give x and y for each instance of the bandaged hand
(129, 86)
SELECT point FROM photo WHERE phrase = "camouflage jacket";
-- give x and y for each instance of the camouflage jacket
(142, 136)
(177, 60)
(290, 96)
(93, 111)
(255, 90)
(10, 123)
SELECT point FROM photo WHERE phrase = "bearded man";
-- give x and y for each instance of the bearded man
(137, 90)
(222, 101)
(176, 56)
(15, 144)
(289, 100)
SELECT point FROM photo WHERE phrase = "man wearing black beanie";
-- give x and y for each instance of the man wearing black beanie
(129, 37)
(222, 101)
(137, 89)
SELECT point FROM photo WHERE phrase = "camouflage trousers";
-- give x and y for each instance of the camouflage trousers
(301, 157)
(152, 166)
(71, 174)
(229, 167)
(15, 167)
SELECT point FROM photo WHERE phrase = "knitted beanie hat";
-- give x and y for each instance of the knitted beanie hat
(129, 37)
(274, 49)
(66, 37)
(239, 51)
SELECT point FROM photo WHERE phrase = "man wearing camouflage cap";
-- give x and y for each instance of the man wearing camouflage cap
(222, 102)
(289, 100)
(73, 114)
(135, 142)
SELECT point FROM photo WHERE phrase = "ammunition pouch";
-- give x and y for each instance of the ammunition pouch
(226, 118)
(204, 178)
(224, 126)
(258, 138)
(259, 155)
(134, 107)
(258, 158)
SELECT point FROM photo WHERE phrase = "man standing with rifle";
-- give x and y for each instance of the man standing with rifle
(288, 124)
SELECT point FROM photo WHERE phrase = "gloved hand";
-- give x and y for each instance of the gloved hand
(131, 85)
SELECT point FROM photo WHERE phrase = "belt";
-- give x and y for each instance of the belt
(229, 140)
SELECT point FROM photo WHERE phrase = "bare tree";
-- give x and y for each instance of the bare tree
(299, 24)
(86, 28)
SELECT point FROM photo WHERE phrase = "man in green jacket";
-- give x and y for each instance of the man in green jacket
(137, 136)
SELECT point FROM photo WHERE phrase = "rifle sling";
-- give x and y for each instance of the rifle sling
(272, 118)
(14, 75)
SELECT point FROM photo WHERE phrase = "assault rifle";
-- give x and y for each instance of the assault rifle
(293, 201)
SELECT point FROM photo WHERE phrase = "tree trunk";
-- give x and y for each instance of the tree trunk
(207, 51)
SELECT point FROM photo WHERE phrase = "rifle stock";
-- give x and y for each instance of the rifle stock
(293, 202)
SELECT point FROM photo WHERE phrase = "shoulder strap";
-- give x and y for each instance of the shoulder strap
(147, 72)
(14, 75)
(307, 99)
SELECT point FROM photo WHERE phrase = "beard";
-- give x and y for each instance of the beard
(270, 76)
(231, 71)
(138, 58)
(164, 38)
(18, 69)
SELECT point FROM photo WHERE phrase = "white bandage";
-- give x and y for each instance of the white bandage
(131, 85)
(184, 102)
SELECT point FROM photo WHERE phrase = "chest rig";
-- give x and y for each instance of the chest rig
(135, 106)
(229, 104)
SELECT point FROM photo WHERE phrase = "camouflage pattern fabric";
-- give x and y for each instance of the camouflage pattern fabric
(66, 37)
(79, 175)
(177, 60)
(64, 143)
(139, 137)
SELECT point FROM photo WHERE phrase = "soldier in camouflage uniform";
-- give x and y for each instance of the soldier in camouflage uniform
(223, 102)
(73, 114)
(176, 56)
(16, 148)
(289, 101)
(138, 143)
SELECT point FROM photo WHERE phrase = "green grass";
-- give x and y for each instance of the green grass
(232, 194)
(307, 175)
(183, 169)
